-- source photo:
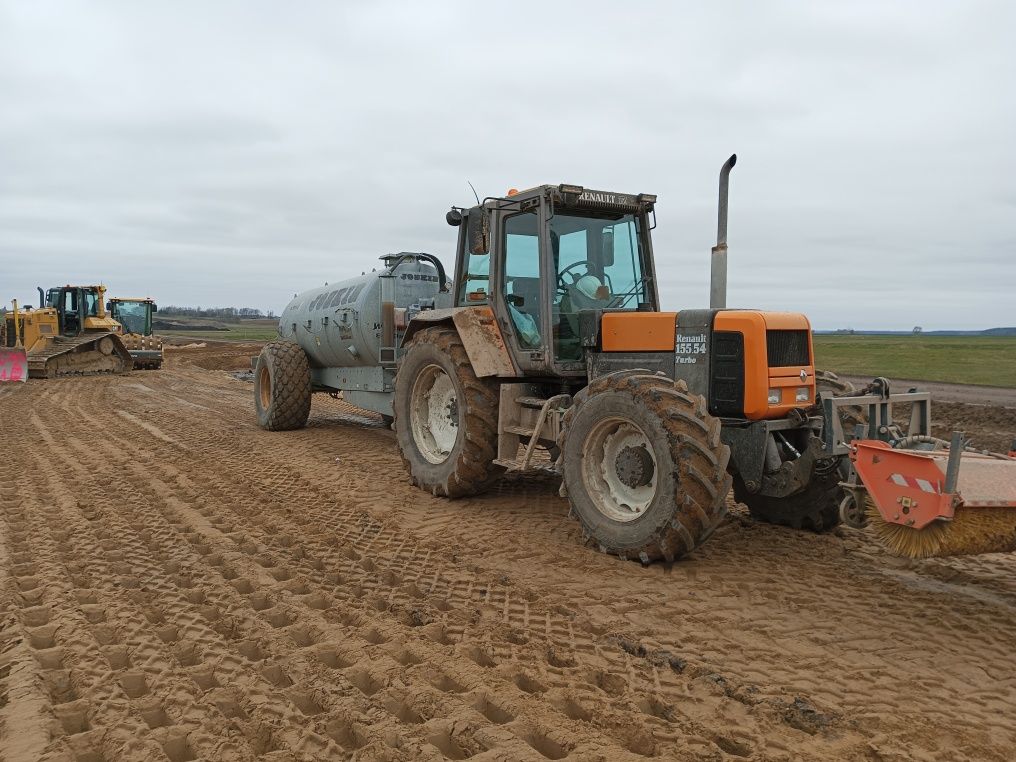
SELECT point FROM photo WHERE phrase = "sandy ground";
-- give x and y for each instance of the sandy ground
(177, 584)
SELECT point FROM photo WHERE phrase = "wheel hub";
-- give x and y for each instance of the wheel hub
(434, 414)
(619, 469)
(634, 466)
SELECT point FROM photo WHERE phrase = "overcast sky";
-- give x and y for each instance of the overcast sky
(233, 153)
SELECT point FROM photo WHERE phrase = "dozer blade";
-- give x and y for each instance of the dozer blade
(923, 504)
(13, 364)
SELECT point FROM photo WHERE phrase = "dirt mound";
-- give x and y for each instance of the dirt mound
(988, 427)
(230, 356)
(188, 586)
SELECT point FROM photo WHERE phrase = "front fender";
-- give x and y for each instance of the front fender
(480, 335)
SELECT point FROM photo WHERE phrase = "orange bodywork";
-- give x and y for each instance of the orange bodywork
(638, 331)
(759, 378)
(655, 332)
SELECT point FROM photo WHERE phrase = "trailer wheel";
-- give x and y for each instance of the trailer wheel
(282, 387)
(644, 467)
(815, 508)
(445, 416)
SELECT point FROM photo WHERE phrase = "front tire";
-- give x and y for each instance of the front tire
(644, 466)
(815, 508)
(445, 416)
(282, 387)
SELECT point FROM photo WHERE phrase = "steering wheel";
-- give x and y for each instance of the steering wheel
(563, 285)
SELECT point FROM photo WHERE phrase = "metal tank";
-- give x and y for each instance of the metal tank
(350, 330)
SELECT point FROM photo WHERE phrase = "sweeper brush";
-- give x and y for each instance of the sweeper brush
(922, 504)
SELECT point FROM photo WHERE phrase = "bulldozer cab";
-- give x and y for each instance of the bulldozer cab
(79, 309)
(135, 315)
(549, 262)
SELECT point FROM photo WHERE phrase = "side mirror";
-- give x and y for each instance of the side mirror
(155, 308)
(454, 218)
(109, 306)
(608, 248)
(478, 230)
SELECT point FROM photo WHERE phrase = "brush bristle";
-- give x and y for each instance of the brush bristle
(972, 530)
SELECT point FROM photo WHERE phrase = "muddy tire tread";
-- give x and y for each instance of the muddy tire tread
(289, 370)
(816, 508)
(474, 469)
(700, 457)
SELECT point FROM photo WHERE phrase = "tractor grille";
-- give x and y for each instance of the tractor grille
(786, 348)
(726, 387)
(9, 336)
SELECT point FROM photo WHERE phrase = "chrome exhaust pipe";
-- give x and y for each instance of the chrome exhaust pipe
(718, 274)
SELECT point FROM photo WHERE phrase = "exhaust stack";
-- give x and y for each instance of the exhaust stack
(718, 275)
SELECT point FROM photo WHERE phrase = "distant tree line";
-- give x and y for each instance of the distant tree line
(218, 313)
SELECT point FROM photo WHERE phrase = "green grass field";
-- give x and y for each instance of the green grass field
(984, 360)
(197, 329)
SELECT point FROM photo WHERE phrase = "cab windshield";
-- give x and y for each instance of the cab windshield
(133, 316)
(598, 261)
(598, 264)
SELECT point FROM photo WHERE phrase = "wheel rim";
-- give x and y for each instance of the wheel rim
(434, 414)
(619, 469)
(265, 387)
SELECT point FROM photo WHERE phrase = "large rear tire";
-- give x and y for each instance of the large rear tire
(282, 387)
(644, 467)
(445, 416)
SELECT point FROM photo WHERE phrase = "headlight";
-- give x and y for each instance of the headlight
(774, 396)
(803, 394)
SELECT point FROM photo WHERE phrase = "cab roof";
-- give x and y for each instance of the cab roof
(580, 197)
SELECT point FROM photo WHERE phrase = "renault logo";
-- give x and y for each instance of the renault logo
(804, 376)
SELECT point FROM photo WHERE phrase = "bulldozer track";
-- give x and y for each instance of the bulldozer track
(39, 363)
(178, 584)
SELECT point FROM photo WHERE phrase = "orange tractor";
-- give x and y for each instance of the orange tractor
(549, 348)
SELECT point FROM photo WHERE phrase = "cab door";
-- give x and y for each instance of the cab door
(510, 279)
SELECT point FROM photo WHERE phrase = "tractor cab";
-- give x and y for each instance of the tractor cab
(134, 314)
(549, 262)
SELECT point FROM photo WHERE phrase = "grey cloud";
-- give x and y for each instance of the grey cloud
(235, 152)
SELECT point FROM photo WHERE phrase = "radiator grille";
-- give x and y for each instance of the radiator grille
(9, 337)
(786, 348)
(726, 388)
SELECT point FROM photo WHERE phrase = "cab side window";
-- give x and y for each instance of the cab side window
(522, 277)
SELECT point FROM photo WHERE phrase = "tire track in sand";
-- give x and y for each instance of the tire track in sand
(535, 736)
(620, 666)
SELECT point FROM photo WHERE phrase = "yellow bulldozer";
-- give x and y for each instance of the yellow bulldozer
(135, 315)
(69, 333)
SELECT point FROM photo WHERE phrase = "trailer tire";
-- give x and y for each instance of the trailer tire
(445, 416)
(659, 504)
(282, 387)
(815, 508)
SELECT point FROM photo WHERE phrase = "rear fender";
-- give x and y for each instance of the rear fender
(480, 335)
